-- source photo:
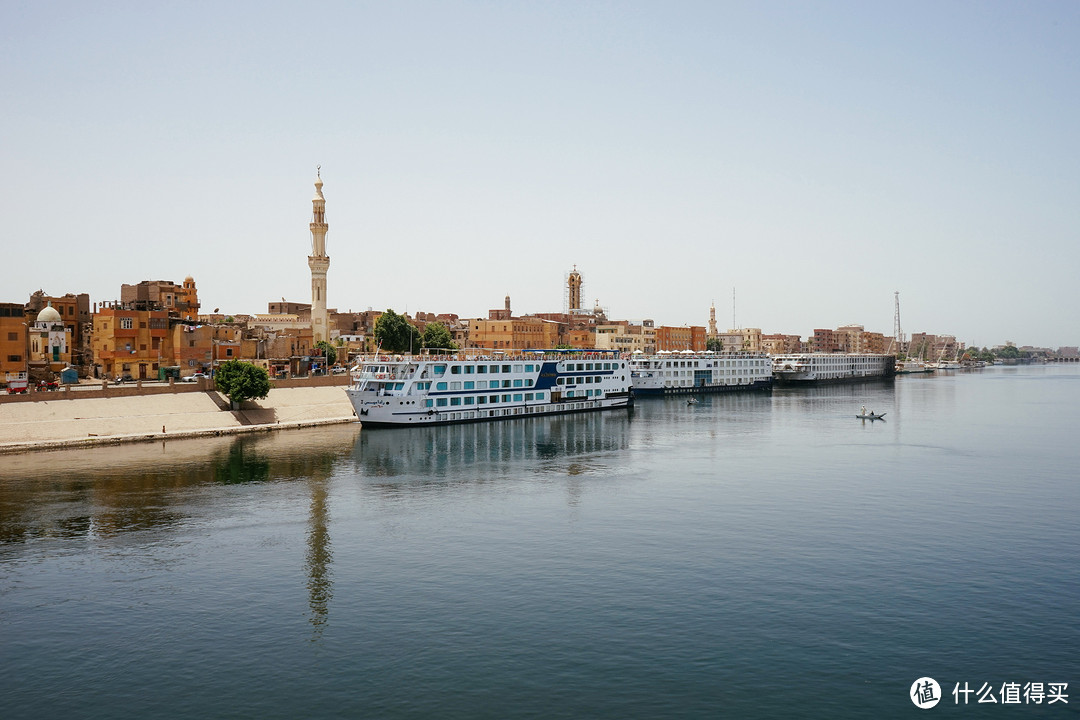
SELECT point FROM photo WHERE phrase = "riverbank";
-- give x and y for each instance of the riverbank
(78, 421)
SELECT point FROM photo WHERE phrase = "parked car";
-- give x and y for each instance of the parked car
(338, 370)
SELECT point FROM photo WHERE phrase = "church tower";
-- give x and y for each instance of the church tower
(573, 284)
(319, 262)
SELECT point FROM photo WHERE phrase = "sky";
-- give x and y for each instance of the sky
(806, 159)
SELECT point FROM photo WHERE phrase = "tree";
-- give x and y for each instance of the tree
(714, 344)
(394, 333)
(328, 351)
(240, 381)
(437, 337)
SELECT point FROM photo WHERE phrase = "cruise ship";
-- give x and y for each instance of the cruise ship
(832, 367)
(447, 389)
(668, 373)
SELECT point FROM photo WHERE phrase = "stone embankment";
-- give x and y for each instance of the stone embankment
(62, 420)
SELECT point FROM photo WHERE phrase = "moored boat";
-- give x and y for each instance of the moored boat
(801, 368)
(446, 389)
(672, 373)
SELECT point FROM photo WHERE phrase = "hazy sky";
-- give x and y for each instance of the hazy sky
(815, 156)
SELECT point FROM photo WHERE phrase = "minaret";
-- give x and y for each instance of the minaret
(319, 262)
(712, 321)
(574, 285)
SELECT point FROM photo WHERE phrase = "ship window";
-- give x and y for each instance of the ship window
(528, 396)
(481, 400)
(529, 368)
(470, 385)
(439, 369)
(469, 369)
(470, 401)
(528, 382)
(455, 369)
(561, 381)
(481, 369)
(441, 402)
(494, 398)
(506, 398)
(455, 401)
(517, 397)
(506, 368)
(539, 396)
(518, 383)
(506, 383)
(456, 385)
(440, 386)
(428, 403)
(481, 384)
(517, 368)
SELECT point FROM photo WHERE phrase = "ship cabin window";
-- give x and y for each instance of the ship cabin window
(439, 369)
(455, 369)
(455, 401)
(399, 386)
(528, 396)
(481, 400)
(528, 382)
(517, 368)
(470, 385)
(494, 369)
(506, 368)
(481, 384)
(456, 385)
(539, 396)
(440, 386)
(529, 368)
(481, 369)
(470, 401)
(506, 398)
(494, 398)
(429, 402)
(506, 383)
(517, 397)
(441, 402)
(469, 369)
(561, 381)
(518, 383)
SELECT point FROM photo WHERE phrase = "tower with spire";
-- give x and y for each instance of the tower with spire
(573, 284)
(712, 322)
(319, 262)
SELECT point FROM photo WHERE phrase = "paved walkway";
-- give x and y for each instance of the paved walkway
(52, 424)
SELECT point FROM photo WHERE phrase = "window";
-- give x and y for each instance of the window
(517, 397)
(481, 384)
(126, 323)
(228, 352)
(528, 396)
(518, 383)
(455, 369)
(12, 336)
(440, 386)
(470, 401)
(14, 358)
(441, 402)
(506, 398)
(494, 398)
(506, 383)
(456, 385)
(517, 368)
(481, 369)
(506, 368)
(469, 369)
(470, 385)
(455, 401)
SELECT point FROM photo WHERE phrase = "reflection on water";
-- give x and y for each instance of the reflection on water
(100, 492)
(564, 444)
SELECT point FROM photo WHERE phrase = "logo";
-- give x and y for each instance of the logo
(925, 693)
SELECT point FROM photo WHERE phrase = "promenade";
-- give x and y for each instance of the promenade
(81, 421)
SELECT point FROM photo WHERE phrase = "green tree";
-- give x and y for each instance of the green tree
(714, 344)
(437, 337)
(240, 381)
(394, 333)
(328, 351)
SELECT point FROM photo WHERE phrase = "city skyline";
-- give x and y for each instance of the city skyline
(816, 158)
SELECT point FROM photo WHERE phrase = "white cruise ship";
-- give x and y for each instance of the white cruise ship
(668, 373)
(445, 389)
(832, 367)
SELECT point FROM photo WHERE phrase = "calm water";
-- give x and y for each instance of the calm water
(749, 556)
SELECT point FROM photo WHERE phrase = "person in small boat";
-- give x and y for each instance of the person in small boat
(863, 412)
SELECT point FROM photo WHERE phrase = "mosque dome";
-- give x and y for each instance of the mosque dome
(49, 315)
